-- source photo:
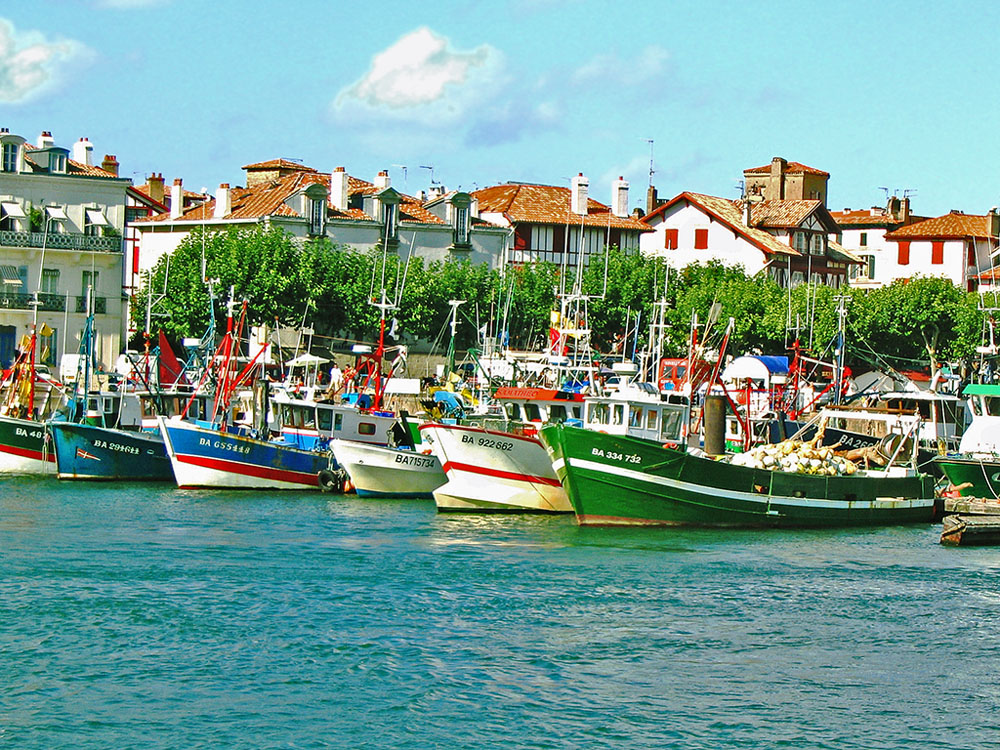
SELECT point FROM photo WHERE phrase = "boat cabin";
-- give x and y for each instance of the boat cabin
(641, 412)
(540, 405)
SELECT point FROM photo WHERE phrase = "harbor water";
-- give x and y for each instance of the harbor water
(148, 617)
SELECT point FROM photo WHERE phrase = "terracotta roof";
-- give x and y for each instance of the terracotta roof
(547, 204)
(841, 254)
(730, 213)
(268, 199)
(281, 164)
(72, 167)
(949, 226)
(786, 214)
(791, 167)
(144, 189)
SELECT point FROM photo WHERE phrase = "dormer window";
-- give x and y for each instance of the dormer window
(57, 162)
(8, 157)
(459, 211)
(390, 220)
(317, 215)
(461, 225)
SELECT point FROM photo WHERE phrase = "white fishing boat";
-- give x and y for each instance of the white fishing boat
(381, 471)
(494, 470)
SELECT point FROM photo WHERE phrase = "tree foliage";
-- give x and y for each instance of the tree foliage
(332, 288)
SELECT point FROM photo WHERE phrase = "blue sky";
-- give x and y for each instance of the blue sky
(893, 94)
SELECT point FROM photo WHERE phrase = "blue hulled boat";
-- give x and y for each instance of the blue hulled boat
(86, 451)
(209, 457)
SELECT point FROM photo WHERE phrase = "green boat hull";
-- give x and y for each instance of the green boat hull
(613, 480)
(982, 476)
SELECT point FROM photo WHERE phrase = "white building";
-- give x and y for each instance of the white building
(863, 233)
(958, 246)
(786, 238)
(61, 224)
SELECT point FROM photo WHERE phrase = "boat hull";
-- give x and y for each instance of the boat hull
(25, 447)
(492, 471)
(614, 480)
(981, 477)
(376, 471)
(203, 457)
(99, 453)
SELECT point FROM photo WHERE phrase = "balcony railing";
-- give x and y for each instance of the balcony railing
(61, 241)
(50, 302)
(100, 305)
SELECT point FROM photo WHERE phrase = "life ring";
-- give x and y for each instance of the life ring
(332, 480)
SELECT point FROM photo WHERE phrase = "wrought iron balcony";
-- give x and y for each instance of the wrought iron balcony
(61, 241)
(100, 305)
(50, 302)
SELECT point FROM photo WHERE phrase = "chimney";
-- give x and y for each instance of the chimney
(651, 200)
(777, 184)
(578, 194)
(110, 164)
(339, 196)
(83, 152)
(45, 139)
(993, 222)
(382, 181)
(223, 202)
(176, 199)
(619, 197)
(156, 187)
(904, 215)
(747, 211)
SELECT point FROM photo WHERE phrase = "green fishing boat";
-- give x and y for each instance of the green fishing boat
(616, 480)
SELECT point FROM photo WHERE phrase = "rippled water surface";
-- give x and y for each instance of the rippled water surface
(147, 617)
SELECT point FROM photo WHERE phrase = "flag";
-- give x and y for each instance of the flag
(170, 368)
(81, 453)
(45, 330)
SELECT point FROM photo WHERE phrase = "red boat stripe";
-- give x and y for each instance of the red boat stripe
(250, 470)
(26, 453)
(500, 474)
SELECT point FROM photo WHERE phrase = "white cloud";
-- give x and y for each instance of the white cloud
(422, 78)
(610, 70)
(29, 64)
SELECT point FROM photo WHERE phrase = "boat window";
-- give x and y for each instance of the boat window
(635, 417)
(366, 428)
(618, 415)
(576, 412)
(109, 406)
(651, 419)
(531, 413)
(338, 422)
(325, 418)
(557, 413)
(512, 411)
(146, 407)
(670, 426)
(601, 414)
(92, 404)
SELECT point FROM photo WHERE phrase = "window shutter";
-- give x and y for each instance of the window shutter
(701, 239)
(904, 253)
(937, 253)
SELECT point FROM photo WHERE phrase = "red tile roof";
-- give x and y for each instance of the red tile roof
(268, 199)
(949, 226)
(72, 167)
(547, 204)
(280, 164)
(786, 214)
(791, 167)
